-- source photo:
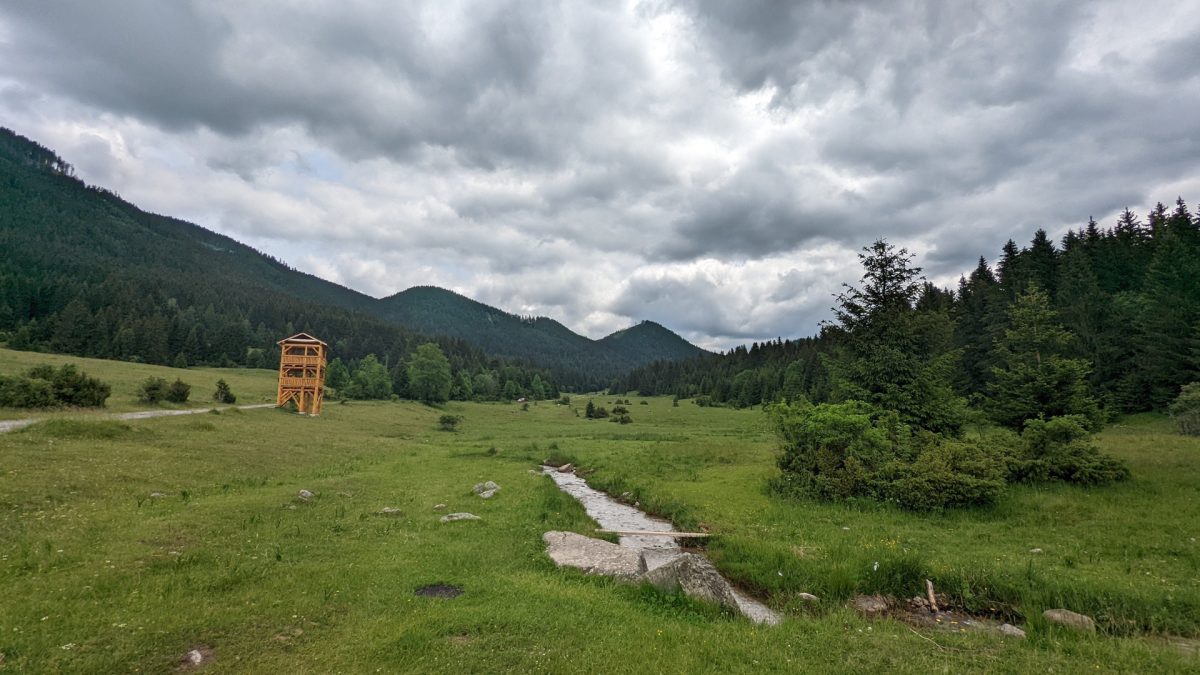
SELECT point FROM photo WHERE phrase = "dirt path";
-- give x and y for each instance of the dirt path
(12, 425)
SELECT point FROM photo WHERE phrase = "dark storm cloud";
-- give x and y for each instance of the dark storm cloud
(712, 165)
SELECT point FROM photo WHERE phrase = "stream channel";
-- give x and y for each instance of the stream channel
(657, 551)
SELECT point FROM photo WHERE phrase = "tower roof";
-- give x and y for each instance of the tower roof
(302, 338)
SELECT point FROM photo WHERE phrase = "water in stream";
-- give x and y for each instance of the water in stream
(611, 514)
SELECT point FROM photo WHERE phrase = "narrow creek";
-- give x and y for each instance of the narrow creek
(611, 514)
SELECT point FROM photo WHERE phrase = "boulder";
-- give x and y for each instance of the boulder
(1065, 617)
(593, 556)
(488, 494)
(389, 511)
(305, 495)
(439, 507)
(455, 517)
(870, 605)
(1035, 551)
(808, 597)
(481, 488)
(696, 577)
(157, 495)
(566, 468)
(1009, 630)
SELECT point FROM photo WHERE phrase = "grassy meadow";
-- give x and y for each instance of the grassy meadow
(97, 576)
(250, 386)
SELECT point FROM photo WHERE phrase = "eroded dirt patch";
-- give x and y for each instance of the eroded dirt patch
(439, 591)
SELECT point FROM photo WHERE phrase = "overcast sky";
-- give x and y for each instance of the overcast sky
(709, 164)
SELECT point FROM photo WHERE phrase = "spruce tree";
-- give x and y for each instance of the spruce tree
(1033, 378)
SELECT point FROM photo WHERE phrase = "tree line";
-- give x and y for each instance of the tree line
(1122, 305)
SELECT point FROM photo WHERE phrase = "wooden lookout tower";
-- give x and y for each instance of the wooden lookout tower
(302, 373)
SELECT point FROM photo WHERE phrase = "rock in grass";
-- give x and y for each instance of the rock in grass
(1035, 551)
(439, 507)
(808, 597)
(488, 494)
(870, 605)
(566, 468)
(305, 495)
(1065, 617)
(1009, 630)
(696, 577)
(454, 517)
(389, 511)
(481, 488)
(593, 556)
(157, 495)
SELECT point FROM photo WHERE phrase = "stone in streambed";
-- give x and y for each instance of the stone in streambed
(696, 577)
(1009, 630)
(455, 517)
(593, 556)
(1065, 617)
(870, 605)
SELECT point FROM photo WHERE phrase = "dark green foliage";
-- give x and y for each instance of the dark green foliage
(153, 390)
(370, 381)
(429, 374)
(47, 387)
(1061, 449)
(1186, 410)
(594, 412)
(840, 451)
(450, 423)
(945, 474)
(894, 355)
(223, 393)
(1033, 379)
(178, 391)
(621, 419)
(337, 375)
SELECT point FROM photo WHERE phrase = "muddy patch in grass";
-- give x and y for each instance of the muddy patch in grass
(439, 591)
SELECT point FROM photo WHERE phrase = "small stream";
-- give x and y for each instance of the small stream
(611, 514)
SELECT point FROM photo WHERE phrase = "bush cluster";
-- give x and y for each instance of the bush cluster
(49, 387)
(1186, 410)
(449, 422)
(155, 390)
(223, 394)
(838, 451)
(594, 412)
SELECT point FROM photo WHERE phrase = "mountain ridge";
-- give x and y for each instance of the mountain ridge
(63, 241)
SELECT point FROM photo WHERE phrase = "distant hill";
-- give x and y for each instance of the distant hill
(648, 342)
(537, 340)
(83, 271)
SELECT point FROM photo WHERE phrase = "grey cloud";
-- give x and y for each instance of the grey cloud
(533, 152)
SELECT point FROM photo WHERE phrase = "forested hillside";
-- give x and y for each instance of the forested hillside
(84, 272)
(1128, 297)
(577, 360)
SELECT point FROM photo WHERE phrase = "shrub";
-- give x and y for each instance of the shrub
(1061, 449)
(946, 474)
(620, 410)
(621, 419)
(45, 387)
(24, 392)
(564, 400)
(178, 391)
(153, 390)
(449, 422)
(1186, 410)
(223, 394)
(832, 450)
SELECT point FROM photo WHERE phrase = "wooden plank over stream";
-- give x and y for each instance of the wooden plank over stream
(651, 533)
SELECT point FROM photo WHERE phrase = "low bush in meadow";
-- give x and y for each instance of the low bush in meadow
(49, 387)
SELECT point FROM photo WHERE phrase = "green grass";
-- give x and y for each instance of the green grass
(96, 576)
(250, 386)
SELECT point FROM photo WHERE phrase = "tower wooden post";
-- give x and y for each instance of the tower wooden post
(302, 373)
